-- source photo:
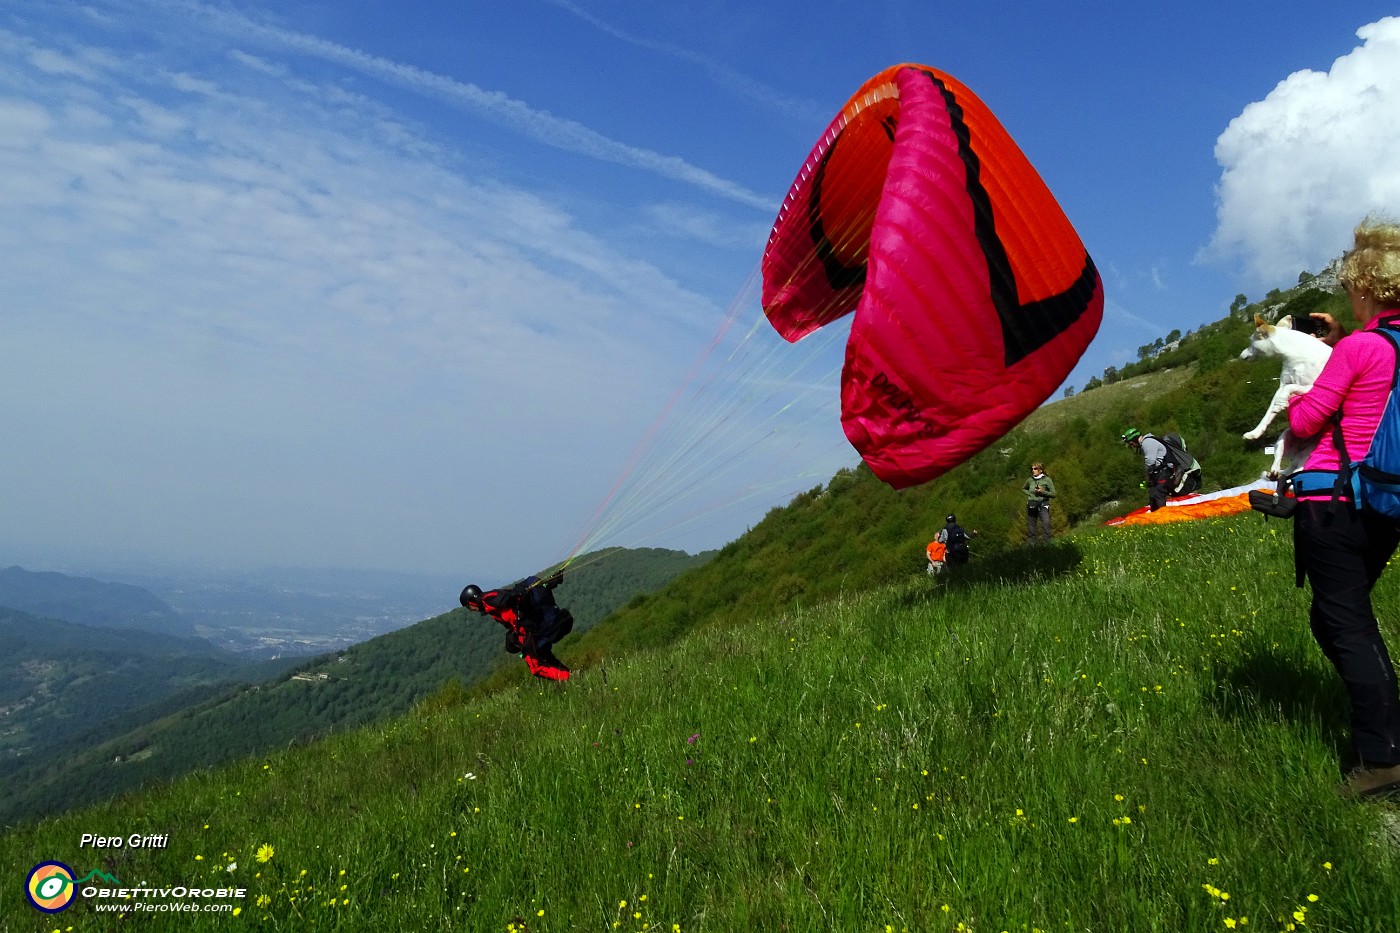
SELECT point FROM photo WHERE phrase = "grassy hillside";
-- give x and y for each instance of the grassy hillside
(379, 678)
(1130, 730)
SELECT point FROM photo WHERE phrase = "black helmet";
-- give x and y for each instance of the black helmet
(471, 597)
(952, 519)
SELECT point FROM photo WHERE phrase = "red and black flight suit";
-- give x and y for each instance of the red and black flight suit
(533, 623)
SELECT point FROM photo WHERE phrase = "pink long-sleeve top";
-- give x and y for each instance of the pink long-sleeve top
(1357, 380)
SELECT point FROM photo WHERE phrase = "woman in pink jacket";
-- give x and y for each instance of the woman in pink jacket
(1339, 549)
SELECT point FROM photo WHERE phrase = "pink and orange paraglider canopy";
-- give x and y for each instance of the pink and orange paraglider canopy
(973, 295)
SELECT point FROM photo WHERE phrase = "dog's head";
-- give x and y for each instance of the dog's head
(1261, 342)
(1286, 341)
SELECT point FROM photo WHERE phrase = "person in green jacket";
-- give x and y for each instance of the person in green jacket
(1039, 490)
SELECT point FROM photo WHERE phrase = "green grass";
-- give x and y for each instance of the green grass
(1131, 730)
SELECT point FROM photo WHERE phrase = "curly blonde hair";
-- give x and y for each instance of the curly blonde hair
(1374, 265)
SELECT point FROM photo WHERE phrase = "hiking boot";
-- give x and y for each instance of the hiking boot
(1364, 782)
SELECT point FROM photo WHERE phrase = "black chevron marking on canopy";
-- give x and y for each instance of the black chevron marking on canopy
(838, 275)
(1025, 328)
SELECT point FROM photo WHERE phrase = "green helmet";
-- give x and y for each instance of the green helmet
(1130, 435)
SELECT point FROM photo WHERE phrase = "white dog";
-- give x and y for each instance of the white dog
(1303, 358)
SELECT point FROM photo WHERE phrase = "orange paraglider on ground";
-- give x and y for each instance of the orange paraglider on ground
(1194, 508)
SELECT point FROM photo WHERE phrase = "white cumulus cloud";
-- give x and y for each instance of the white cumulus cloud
(1303, 165)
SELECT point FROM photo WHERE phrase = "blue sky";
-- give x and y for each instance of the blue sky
(404, 285)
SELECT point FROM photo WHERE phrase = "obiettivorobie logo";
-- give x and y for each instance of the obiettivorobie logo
(51, 886)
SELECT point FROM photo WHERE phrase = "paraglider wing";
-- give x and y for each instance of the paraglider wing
(1193, 508)
(973, 295)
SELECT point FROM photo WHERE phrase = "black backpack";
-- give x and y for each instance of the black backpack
(1182, 461)
(1176, 446)
(957, 545)
(547, 621)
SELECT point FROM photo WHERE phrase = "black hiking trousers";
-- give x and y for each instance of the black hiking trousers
(1341, 550)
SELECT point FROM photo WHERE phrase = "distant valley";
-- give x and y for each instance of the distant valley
(281, 612)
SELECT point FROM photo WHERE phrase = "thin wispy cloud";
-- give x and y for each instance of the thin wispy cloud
(1115, 311)
(720, 74)
(540, 125)
(253, 306)
(708, 227)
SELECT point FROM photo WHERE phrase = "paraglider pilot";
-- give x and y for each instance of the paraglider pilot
(955, 537)
(533, 622)
(1167, 474)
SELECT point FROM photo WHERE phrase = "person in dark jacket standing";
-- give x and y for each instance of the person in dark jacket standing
(534, 623)
(1039, 490)
(955, 537)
